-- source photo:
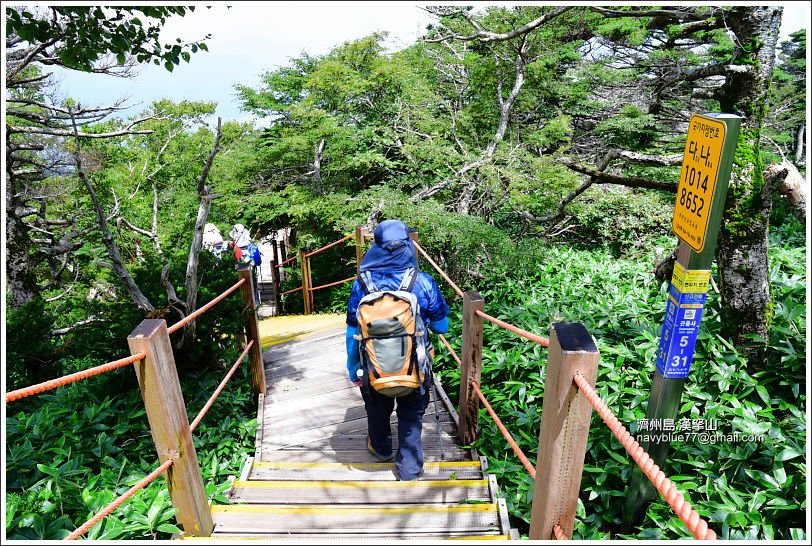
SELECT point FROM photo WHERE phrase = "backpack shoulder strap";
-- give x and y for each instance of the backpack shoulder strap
(409, 278)
(366, 281)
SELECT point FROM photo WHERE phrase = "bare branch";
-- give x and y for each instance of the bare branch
(629, 181)
(204, 193)
(646, 159)
(67, 133)
(29, 57)
(69, 329)
(138, 297)
(487, 36)
(605, 162)
(790, 184)
(679, 14)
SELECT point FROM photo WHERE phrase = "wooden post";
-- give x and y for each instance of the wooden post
(307, 295)
(252, 331)
(565, 418)
(275, 281)
(471, 365)
(413, 237)
(283, 247)
(359, 247)
(166, 412)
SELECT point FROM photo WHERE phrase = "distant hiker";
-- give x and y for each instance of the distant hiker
(213, 241)
(246, 252)
(388, 352)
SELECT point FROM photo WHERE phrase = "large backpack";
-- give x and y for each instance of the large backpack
(392, 337)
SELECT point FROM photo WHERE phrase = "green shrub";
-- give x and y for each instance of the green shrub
(744, 489)
(73, 450)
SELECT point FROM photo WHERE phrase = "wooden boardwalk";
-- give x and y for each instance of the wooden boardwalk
(311, 476)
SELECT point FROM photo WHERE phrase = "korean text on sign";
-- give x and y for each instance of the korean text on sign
(700, 169)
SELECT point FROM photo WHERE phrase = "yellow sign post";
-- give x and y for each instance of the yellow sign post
(701, 194)
(697, 183)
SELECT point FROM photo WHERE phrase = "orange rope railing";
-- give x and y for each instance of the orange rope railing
(450, 349)
(508, 437)
(690, 517)
(119, 501)
(220, 387)
(511, 442)
(83, 374)
(290, 291)
(295, 256)
(192, 316)
(333, 283)
(322, 249)
(543, 341)
(692, 520)
(90, 372)
(440, 271)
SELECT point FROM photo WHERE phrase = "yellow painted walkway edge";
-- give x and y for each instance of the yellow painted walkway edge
(467, 537)
(438, 464)
(268, 484)
(278, 330)
(325, 510)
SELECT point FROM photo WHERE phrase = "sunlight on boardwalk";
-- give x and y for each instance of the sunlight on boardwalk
(276, 330)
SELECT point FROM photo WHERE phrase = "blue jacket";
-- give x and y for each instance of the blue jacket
(433, 308)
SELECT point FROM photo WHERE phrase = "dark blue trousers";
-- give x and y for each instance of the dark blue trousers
(410, 410)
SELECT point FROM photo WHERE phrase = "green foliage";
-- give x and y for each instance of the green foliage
(631, 129)
(390, 125)
(746, 489)
(787, 100)
(85, 34)
(71, 451)
(625, 221)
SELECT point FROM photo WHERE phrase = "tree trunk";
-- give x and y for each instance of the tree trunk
(117, 266)
(22, 285)
(799, 144)
(205, 196)
(742, 249)
(505, 108)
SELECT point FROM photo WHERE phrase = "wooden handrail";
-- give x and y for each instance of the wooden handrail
(334, 243)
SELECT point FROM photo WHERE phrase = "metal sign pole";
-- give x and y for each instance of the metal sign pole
(701, 193)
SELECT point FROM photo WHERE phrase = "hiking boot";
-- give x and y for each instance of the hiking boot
(397, 475)
(378, 455)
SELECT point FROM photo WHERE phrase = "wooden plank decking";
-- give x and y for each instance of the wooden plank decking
(311, 476)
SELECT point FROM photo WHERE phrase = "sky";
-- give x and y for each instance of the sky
(250, 38)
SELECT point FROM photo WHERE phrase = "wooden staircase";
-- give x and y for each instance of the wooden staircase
(311, 476)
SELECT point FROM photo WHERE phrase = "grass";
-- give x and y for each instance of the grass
(748, 484)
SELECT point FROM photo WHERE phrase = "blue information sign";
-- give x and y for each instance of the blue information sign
(683, 315)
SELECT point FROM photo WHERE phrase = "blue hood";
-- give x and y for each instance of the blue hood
(392, 249)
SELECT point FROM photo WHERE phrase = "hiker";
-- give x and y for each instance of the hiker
(213, 240)
(246, 252)
(389, 262)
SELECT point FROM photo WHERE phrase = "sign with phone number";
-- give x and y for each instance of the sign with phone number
(700, 169)
(683, 315)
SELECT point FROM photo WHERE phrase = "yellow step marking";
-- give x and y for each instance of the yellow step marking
(438, 464)
(483, 537)
(277, 330)
(267, 484)
(468, 537)
(325, 510)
